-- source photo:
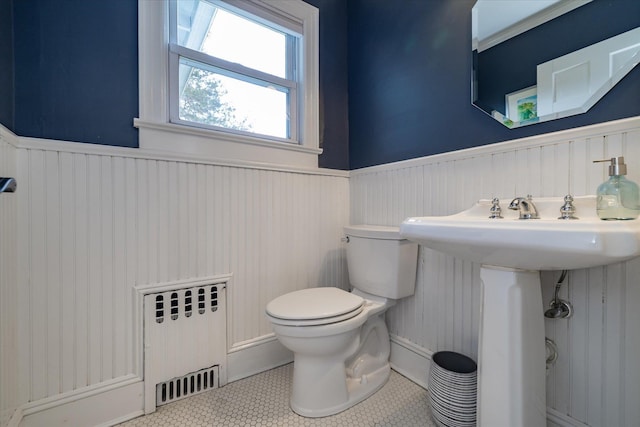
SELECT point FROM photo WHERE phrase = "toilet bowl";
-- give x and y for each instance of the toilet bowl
(339, 339)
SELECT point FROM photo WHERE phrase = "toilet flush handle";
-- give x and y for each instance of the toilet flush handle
(345, 239)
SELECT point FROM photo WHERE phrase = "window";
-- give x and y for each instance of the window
(236, 71)
(240, 73)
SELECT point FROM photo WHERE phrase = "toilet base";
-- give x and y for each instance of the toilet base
(325, 384)
(357, 390)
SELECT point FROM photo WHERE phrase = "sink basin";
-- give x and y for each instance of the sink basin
(511, 345)
(547, 243)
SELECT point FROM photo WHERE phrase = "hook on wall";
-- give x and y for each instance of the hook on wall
(8, 185)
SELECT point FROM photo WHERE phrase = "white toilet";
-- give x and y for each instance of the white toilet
(339, 339)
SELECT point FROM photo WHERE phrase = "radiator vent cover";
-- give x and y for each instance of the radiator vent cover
(185, 336)
(187, 385)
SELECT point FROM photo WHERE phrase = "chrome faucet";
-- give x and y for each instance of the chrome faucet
(525, 206)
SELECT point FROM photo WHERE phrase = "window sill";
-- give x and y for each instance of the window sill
(169, 137)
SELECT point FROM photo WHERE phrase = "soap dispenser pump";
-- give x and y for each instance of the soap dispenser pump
(618, 198)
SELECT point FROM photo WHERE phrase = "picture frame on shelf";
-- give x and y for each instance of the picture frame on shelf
(522, 105)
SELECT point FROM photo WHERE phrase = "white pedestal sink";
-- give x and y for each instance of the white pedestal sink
(511, 356)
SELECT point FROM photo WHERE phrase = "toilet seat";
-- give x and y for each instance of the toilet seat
(314, 306)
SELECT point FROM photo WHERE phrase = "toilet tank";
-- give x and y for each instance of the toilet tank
(380, 262)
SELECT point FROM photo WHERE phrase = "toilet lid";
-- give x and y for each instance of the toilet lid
(316, 306)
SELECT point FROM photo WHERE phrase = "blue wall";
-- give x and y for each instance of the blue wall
(6, 64)
(334, 99)
(394, 78)
(76, 70)
(409, 84)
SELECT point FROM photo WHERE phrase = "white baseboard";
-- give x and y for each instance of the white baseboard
(255, 356)
(562, 420)
(414, 362)
(102, 405)
(116, 401)
(410, 360)
(122, 399)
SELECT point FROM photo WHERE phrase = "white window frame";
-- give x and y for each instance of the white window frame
(157, 132)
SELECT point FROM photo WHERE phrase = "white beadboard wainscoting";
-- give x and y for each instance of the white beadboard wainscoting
(8, 290)
(89, 223)
(596, 380)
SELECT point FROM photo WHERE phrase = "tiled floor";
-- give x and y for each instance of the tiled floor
(263, 400)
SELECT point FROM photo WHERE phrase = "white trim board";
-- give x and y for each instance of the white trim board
(410, 360)
(8, 136)
(542, 140)
(255, 356)
(151, 154)
(103, 405)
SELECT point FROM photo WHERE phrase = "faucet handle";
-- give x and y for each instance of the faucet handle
(568, 210)
(496, 210)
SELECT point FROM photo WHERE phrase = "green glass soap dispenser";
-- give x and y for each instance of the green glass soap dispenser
(617, 198)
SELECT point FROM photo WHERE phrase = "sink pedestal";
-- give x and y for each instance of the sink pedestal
(511, 356)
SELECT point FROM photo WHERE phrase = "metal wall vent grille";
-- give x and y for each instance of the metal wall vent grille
(187, 385)
(187, 303)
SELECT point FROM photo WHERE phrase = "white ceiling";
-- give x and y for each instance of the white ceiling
(497, 15)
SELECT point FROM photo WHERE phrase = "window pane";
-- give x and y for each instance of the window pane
(217, 99)
(226, 35)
